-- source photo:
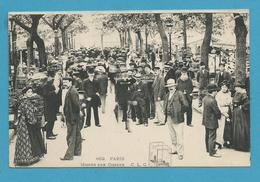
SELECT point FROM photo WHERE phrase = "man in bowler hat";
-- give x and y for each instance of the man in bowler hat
(211, 115)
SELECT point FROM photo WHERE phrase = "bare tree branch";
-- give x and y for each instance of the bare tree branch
(22, 25)
(47, 23)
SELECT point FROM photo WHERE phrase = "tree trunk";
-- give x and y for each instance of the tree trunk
(141, 42)
(41, 50)
(64, 40)
(165, 56)
(146, 41)
(241, 33)
(125, 38)
(184, 32)
(56, 43)
(205, 47)
(136, 43)
(129, 41)
(29, 45)
(120, 39)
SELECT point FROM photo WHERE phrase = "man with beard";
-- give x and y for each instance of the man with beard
(91, 88)
(150, 105)
(158, 93)
(203, 80)
(184, 84)
(138, 97)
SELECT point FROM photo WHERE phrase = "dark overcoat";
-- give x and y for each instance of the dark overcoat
(71, 107)
(211, 112)
(177, 105)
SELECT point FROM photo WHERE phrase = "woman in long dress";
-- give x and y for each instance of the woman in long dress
(29, 146)
(241, 125)
(224, 100)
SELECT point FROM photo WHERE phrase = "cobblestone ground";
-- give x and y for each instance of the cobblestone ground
(112, 146)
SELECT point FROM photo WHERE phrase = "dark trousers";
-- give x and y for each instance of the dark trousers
(141, 112)
(123, 107)
(96, 117)
(210, 140)
(150, 107)
(73, 140)
(133, 112)
(189, 113)
(202, 93)
(49, 128)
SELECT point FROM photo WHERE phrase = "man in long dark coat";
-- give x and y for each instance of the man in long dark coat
(185, 85)
(203, 80)
(211, 115)
(72, 115)
(91, 88)
(50, 106)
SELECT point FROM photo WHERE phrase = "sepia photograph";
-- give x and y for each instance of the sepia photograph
(125, 89)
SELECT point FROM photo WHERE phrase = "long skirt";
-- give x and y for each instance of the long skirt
(29, 146)
(241, 135)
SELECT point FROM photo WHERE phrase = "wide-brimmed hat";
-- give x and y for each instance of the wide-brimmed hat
(138, 75)
(100, 69)
(212, 87)
(239, 84)
(170, 83)
(166, 66)
(225, 82)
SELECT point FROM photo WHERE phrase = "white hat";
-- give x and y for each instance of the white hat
(171, 82)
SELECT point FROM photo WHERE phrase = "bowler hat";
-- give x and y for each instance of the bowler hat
(239, 84)
(137, 75)
(184, 69)
(212, 87)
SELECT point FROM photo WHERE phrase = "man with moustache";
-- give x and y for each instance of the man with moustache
(72, 114)
(91, 88)
(175, 104)
(185, 85)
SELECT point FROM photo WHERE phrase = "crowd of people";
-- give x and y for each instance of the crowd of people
(146, 92)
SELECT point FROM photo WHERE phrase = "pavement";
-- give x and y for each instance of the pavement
(112, 146)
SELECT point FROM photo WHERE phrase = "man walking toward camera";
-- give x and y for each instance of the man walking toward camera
(175, 104)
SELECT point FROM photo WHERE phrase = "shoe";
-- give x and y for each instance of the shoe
(86, 126)
(98, 125)
(50, 137)
(218, 145)
(129, 131)
(190, 125)
(138, 123)
(180, 157)
(156, 122)
(161, 124)
(65, 159)
(215, 155)
(54, 135)
(173, 152)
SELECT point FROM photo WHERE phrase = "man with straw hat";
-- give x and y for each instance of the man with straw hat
(175, 104)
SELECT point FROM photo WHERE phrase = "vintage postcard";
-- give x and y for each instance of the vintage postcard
(129, 88)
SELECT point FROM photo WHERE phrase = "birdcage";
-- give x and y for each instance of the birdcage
(163, 155)
(159, 154)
